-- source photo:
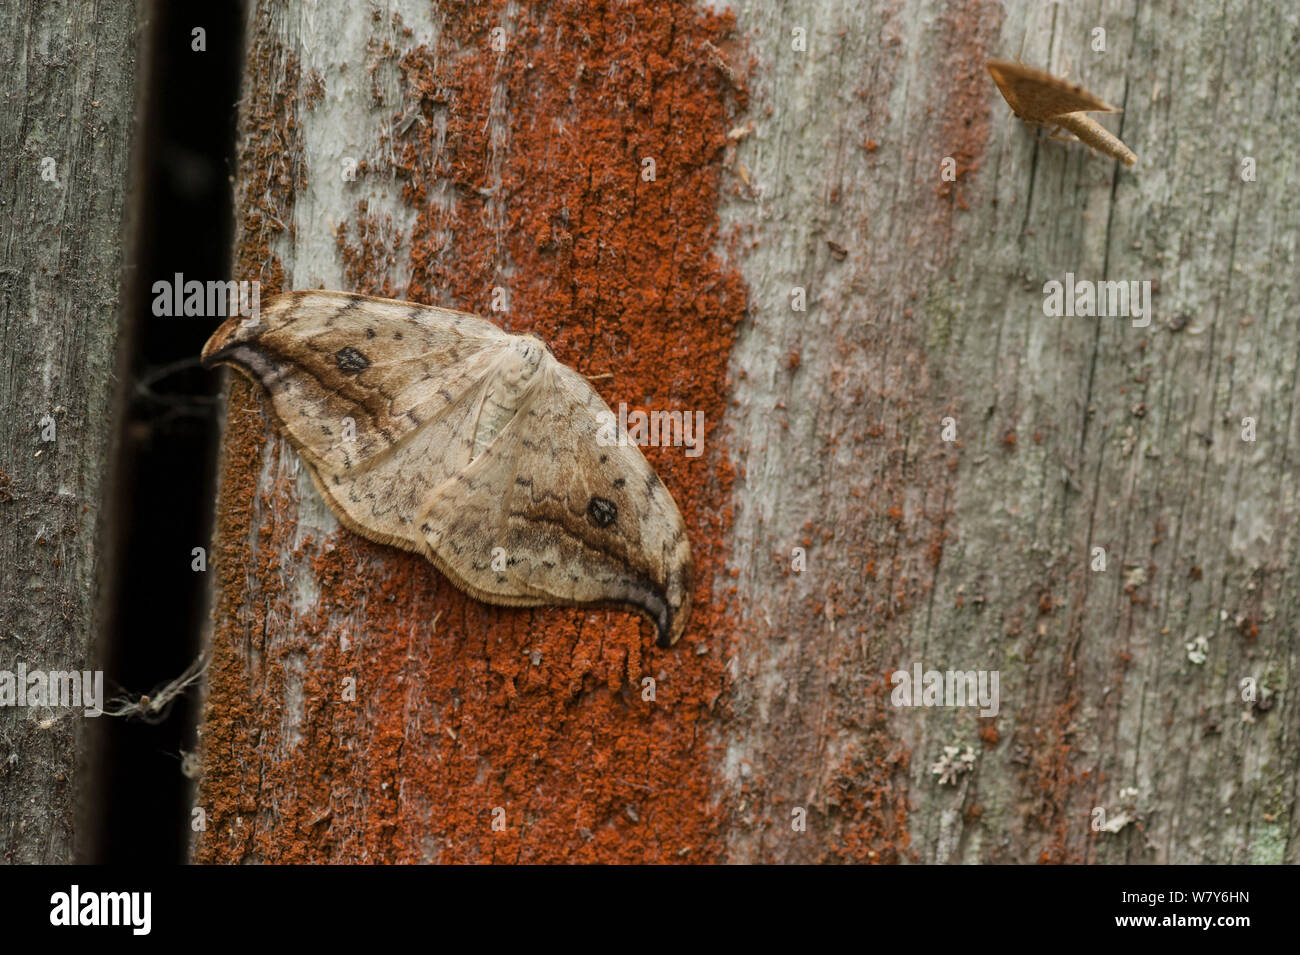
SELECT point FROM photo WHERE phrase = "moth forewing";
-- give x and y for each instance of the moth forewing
(1038, 96)
(1043, 99)
(436, 431)
(656, 570)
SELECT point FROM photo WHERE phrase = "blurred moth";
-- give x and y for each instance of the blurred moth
(1046, 100)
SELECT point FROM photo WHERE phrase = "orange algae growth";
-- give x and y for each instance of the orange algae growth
(477, 733)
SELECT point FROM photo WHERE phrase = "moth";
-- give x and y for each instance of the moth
(435, 431)
(1046, 100)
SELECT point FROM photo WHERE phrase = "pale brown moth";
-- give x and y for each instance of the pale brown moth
(435, 431)
(1046, 100)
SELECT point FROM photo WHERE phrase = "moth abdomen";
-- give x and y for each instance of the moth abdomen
(1092, 133)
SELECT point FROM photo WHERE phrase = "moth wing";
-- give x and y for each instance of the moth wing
(408, 378)
(554, 511)
(1038, 96)
(325, 358)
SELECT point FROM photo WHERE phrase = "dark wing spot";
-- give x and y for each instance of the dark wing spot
(351, 361)
(601, 512)
(370, 333)
(619, 482)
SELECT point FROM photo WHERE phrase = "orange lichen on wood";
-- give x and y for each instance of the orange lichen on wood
(480, 733)
(968, 29)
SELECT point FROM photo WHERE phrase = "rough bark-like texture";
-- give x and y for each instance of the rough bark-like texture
(1072, 433)
(519, 169)
(477, 733)
(68, 94)
(837, 410)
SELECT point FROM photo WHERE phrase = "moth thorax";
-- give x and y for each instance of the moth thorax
(516, 372)
(520, 362)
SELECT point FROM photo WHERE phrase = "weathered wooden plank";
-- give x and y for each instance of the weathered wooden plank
(68, 92)
(517, 168)
(1072, 433)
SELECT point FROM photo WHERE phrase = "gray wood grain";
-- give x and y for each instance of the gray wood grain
(68, 93)
(1073, 433)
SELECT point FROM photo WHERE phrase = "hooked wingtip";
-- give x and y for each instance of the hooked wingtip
(670, 631)
(670, 610)
(218, 342)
